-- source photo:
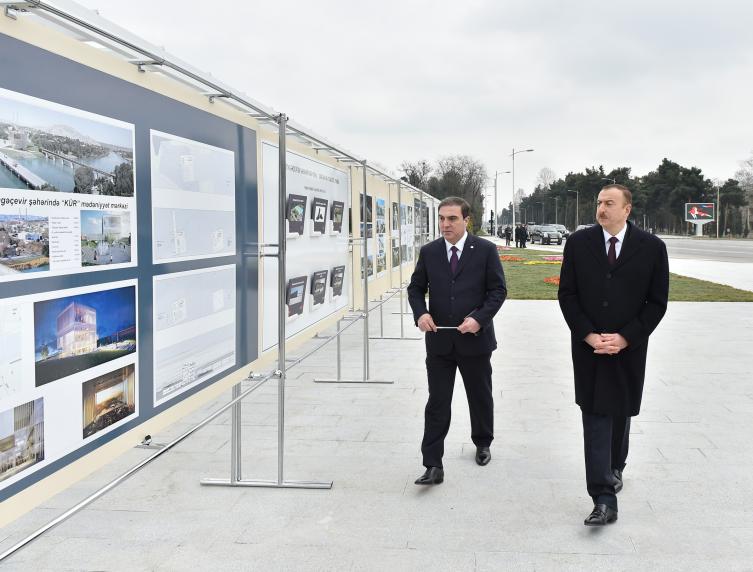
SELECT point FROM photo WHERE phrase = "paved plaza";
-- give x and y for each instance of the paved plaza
(687, 502)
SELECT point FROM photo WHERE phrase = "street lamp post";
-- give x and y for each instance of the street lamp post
(576, 206)
(496, 211)
(543, 217)
(556, 200)
(718, 213)
(514, 152)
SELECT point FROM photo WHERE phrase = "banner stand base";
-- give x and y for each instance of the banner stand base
(268, 484)
(383, 381)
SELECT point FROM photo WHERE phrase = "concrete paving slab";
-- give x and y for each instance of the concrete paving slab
(685, 506)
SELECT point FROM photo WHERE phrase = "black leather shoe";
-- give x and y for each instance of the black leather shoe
(617, 480)
(432, 476)
(601, 515)
(483, 456)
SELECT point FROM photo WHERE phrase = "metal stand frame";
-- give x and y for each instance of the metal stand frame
(365, 315)
(381, 335)
(236, 479)
(400, 240)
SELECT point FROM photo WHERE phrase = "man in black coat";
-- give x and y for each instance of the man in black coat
(466, 285)
(614, 286)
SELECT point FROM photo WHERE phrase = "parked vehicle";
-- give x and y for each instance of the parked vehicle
(582, 226)
(563, 230)
(546, 234)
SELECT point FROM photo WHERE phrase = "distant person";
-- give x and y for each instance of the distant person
(517, 235)
(614, 285)
(466, 284)
(523, 236)
(508, 234)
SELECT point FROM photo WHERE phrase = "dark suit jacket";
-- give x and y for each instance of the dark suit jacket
(477, 289)
(629, 298)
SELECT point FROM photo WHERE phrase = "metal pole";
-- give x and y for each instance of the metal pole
(339, 350)
(281, 290)
(513, 189)
(496, 211)
(400, 251)
(556, 201)
(235, 438)
(718, 212)
(281, 340)
(365, 279)
(381, 320)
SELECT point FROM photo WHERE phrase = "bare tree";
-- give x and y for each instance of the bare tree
(462, 176)
(745, 176)
(546, 178)
(417, 174)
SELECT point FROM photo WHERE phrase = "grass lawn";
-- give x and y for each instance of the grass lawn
(526, 281)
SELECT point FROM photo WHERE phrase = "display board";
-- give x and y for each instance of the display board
(67, 196)
(317, 241)
(381, 234)
(124, 287)
(395, 235)
(193, 199)
(68, 372)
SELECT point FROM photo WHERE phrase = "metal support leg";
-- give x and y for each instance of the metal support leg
(381, 320)
(236, 472)
(402, 327)
(365, 266)
(235, 479)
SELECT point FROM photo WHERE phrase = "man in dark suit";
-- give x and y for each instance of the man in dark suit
(466, 286)
(614, 286)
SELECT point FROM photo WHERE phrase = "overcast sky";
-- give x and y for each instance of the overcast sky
(585, 83)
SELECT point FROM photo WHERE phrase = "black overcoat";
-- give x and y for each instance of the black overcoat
(629, 298)
(477, 289)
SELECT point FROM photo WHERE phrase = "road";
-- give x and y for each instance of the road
(709, 249)
(722, 261)
(692, 249)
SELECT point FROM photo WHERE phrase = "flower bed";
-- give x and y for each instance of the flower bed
(536, 262)
(508, 258)
(554, 280)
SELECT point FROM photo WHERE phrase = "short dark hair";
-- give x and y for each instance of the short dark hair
(465, 208)
(625, 192)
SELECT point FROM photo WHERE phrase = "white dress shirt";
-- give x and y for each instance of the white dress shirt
(620, 238)
(459, 245)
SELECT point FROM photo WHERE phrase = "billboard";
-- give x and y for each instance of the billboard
(699, 213)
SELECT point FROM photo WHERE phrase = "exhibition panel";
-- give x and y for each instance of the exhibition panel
(124, 287)
(317, 241)
(130, 251)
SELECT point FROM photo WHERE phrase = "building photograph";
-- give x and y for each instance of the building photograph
(108, 399)
(105, 237)
(21, 437)
(24, 244)
(75, 333)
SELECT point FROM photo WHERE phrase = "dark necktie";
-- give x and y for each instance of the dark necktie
(612, 254)
(454, 259)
